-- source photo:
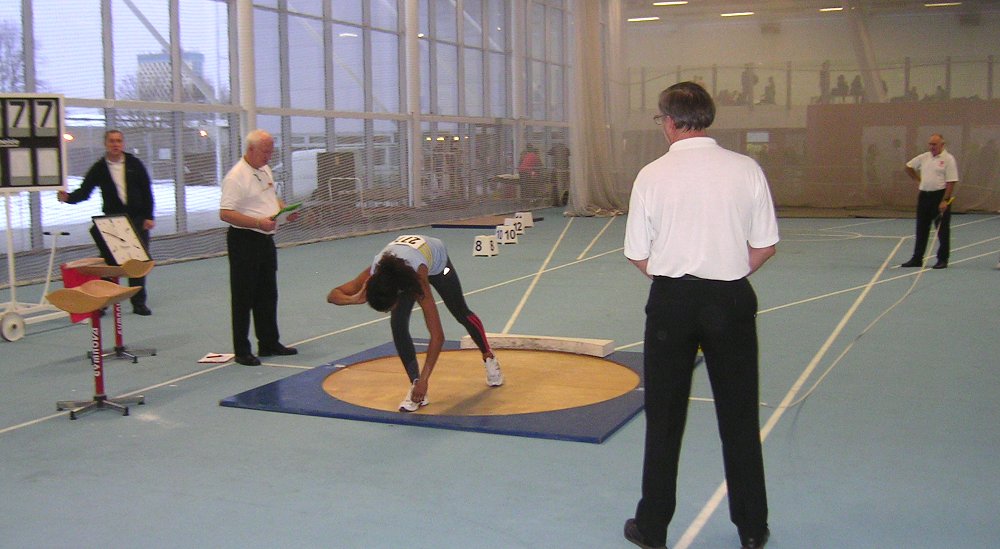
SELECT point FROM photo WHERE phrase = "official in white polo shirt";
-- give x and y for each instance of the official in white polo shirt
(700, 221)
(249, 202)
(936, 173)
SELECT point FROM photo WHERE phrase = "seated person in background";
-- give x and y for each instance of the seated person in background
(857, 89)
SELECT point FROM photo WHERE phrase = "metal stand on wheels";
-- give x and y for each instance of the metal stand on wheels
(15, 315)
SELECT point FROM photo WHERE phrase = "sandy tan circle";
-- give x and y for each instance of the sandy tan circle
(535, 381)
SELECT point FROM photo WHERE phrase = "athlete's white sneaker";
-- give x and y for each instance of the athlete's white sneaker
(494, 377)
(408, 405)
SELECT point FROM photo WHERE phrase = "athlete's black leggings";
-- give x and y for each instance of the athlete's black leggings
(450, 289)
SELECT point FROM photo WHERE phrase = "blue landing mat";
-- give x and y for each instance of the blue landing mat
(303, 394)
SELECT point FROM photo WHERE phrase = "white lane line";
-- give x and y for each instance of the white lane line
(829, 294)
(13, 428)
(342, 330)
(534, 281)
(713, 503)
(858, 224)
(596, 238)
(289, 366)
(133, 393)
(176, 379)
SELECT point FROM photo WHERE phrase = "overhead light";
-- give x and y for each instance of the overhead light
(347, 35)
(736, 14)
(832, 9)
(674, 3)
(641, 19)
(942, 4)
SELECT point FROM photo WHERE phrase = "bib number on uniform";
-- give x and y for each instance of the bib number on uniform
(413, 241)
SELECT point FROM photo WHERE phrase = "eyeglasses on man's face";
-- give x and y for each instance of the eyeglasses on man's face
(658, 119)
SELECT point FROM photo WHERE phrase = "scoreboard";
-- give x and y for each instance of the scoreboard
(32, 149)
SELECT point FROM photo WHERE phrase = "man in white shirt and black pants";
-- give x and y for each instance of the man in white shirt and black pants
(700, 220)
(249, 202)
(936, 173)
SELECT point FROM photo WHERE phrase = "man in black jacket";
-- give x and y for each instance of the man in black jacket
(125, 189)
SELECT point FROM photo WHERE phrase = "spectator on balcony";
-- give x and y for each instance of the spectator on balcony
(824, 83)
(748, 80)
(842, 89)
(857, 89)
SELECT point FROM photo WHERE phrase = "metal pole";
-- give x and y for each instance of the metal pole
(11, 271)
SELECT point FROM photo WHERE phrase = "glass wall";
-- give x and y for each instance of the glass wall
(330, 81)
(545, 81)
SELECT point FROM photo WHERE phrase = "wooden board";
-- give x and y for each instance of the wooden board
(90, 296)
(96, 266)
(580, 346)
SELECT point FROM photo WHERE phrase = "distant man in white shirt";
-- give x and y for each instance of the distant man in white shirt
(936, 173)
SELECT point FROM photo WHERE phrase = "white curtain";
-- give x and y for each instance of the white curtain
(596, 187)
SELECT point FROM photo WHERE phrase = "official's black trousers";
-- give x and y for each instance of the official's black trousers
(140, 297)
(253, 286)
(720, 316)
(928, 203)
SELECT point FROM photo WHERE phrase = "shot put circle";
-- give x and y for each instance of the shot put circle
(535, 381)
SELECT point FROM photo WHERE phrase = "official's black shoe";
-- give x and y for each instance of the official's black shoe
(755, 542)
(940, 265)
(248, 360)
(633, 534)
(913, 263)
(141, 309)
(278, 350)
